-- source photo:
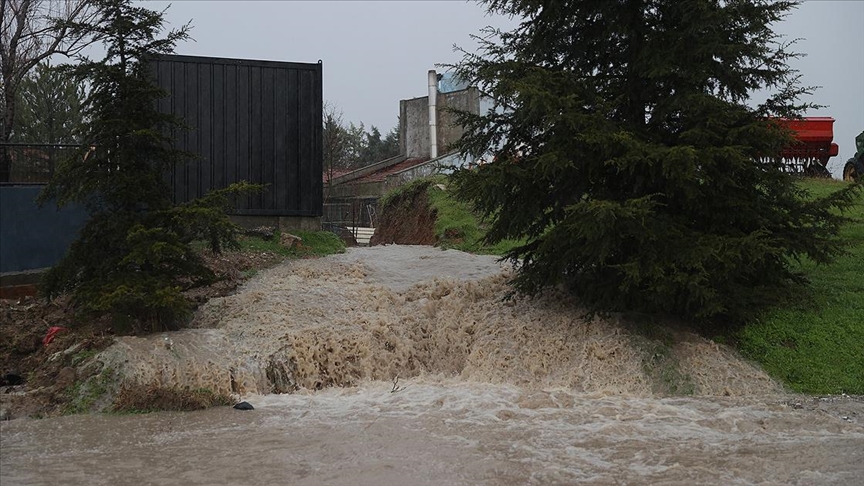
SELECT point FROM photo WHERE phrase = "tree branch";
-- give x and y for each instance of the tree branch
(33, 31)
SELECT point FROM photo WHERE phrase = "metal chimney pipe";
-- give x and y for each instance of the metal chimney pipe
(433, 114)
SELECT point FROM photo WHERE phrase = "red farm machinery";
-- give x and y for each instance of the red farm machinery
(814, 146)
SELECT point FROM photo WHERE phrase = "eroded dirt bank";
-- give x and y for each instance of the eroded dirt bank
(39, 380)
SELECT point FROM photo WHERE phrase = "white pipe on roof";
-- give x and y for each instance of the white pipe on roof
(433, 114)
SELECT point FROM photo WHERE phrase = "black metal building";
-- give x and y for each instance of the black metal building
(258, 121)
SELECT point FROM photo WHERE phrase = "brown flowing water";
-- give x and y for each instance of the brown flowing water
(489, 391)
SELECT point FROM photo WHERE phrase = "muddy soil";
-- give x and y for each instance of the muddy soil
(407, 220)
(35, 378)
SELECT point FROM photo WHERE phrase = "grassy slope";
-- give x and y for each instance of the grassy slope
(818, 346)
(456, 226)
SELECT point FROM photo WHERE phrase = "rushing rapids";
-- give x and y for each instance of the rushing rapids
(381, 312)
(412, 365)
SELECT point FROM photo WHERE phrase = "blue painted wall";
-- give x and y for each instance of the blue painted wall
(33, 237)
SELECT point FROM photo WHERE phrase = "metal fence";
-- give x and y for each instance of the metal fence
(351, 218)
(31, 163)
(351, 212)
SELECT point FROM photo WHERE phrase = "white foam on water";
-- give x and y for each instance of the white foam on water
(381, 312)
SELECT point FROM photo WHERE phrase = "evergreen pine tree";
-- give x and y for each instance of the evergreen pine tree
(49, 108)
(627, 157)
(133, 257)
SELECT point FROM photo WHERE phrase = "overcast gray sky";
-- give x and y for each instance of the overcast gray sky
(378, 52)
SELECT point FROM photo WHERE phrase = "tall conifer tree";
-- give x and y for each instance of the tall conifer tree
(49, 108)
(134, 257)
(630, 155)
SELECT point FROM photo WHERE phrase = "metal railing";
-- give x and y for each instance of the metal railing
(31, 163)
(351, 211)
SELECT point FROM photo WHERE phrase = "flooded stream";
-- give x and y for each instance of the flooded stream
(488, 391)
(443, 432)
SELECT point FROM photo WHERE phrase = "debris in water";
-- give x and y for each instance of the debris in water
(396, 386)
(52, 332)
(244, 406)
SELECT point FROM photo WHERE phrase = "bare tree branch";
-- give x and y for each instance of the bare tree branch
(32, 31)
(334, 140)
(396, 387)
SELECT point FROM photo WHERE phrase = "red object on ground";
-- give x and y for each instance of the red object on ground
(815, 136)
(52, 332)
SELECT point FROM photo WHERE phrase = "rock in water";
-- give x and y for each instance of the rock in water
(244, 406)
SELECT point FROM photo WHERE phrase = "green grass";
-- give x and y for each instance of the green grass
(83, 356)
(315, 243)
(817, 345)
(456, 226)
(83, 395)
(396, 194)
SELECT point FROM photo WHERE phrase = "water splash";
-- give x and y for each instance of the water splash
(380, 312)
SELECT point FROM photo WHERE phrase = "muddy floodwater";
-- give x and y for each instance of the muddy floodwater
(408, 365)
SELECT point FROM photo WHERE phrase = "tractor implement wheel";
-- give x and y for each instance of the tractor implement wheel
(815, 169)
(851, 172)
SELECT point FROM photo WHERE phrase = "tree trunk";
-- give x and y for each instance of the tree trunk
(635, 111)
(6, 131)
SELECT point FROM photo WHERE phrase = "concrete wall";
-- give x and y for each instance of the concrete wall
(414, 121)
(414, 127)
(31, 237)
(449, 132)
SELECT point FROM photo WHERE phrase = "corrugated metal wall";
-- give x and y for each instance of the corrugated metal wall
(259, 121)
